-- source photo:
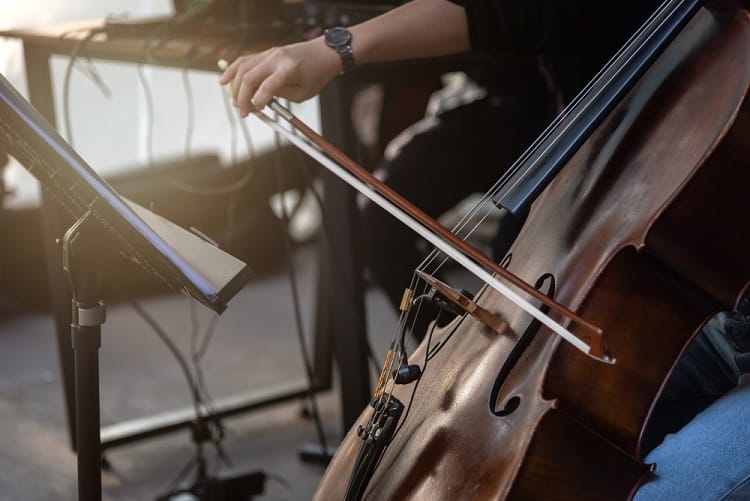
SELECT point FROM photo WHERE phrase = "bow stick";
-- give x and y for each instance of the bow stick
(353, 174)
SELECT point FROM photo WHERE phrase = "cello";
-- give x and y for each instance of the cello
(634, 226)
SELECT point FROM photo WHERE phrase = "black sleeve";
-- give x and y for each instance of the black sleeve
(570, 27)
(576, 37)
(500, 26)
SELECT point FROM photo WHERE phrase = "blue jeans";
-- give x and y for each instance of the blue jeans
(709, 458)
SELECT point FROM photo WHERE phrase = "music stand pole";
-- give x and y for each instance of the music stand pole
(81, 260)
(109, 227)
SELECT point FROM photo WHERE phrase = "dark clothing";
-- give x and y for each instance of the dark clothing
(575, 38)
(468, 149)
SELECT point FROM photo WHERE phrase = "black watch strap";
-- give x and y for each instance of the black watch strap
(347, 58)
(340, 40)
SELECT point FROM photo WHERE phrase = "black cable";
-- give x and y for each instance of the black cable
(77, 48)
(196, 354)
(207, 336)
(197, 351)
(190, 111)
(219, 431)
(284, 483)
(174, 183)
(203, 410)
(161, 333)
(202, 404)
(181, 475)
(412, 313)
(329, 238)
(416, 385)
(296, 304)
(232, 128)
(336, 262)
(436, 349)
(230, 188)
(149, 115)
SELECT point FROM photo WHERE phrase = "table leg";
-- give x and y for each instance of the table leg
(54, 223)
(341, 310)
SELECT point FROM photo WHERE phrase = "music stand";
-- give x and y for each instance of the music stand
(106, 224)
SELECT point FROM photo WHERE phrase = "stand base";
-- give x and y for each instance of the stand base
(236, 488)
(139, 429)
(314, 453)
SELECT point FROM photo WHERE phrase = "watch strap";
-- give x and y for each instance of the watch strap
(347, 58)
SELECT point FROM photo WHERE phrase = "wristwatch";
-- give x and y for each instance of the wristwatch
(340, 40)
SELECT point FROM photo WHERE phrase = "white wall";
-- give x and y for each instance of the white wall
(111, 132)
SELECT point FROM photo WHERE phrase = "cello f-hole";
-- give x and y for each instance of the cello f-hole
(510, 406)
(524, 341)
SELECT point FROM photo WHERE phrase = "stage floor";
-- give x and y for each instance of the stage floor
(254, 346)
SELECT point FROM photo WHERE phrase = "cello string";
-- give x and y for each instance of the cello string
(583, 95)
(582, 104)
(479, 213)
(573, 106)
(652, 24)
(592, 93)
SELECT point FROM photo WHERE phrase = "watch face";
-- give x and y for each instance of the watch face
(337, 37)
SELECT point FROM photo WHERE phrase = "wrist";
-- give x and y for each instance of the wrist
(330, 61)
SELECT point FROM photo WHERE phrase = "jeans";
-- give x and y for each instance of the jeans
(708, 458)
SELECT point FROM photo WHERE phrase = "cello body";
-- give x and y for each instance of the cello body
(644, 234)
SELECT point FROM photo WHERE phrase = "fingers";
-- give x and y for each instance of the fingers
(255, 79)
(270, 87)
(239, 73)
(295, 72)
(247, 84)
(248, 71)
(228, 70)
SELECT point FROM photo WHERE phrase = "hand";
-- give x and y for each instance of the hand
(295, 72)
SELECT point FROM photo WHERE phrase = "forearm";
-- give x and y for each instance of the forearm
(418, 29)
(421, 28)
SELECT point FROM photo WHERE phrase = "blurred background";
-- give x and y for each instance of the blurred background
(166, 138)
(118, 99)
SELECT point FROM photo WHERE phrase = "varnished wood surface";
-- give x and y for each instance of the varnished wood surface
(591, 229)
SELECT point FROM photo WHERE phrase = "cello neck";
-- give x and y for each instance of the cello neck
(533, 171)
